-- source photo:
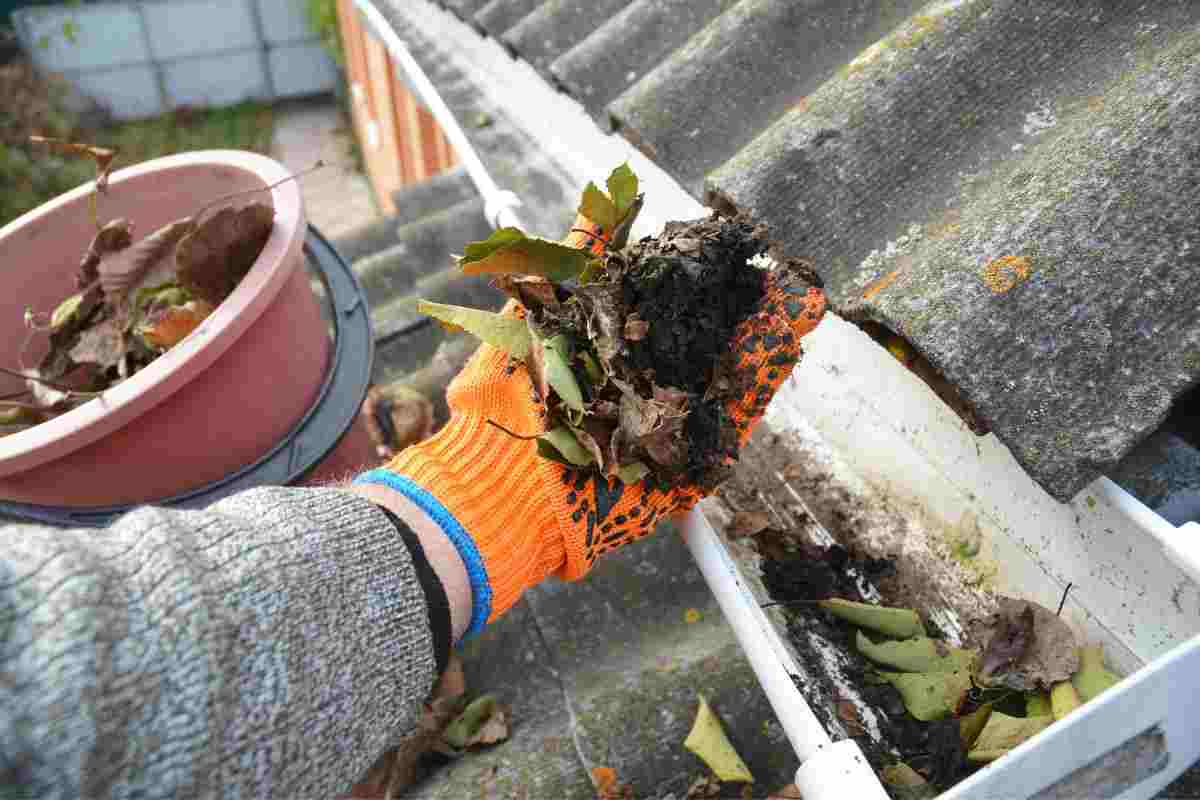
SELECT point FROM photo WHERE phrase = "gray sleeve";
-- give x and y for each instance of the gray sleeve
(272, 645)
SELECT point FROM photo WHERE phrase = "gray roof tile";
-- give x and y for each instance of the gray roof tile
(499, 15)
(740, 73)
(556, 26)
(629, 45)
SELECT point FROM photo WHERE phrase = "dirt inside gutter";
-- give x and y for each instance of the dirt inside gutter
(830, 534)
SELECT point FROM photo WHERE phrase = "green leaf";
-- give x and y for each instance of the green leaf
(931, 695)
(596, 206)
(905, 783)
(1093, 677)
(921, 654)
(505, 333)
(66, 311)
(508, 250)
(464, 729)
(632, 473)
(592, 368)
(502, 237)
(623, 189)
(1037, 704)
(559, 444)
(970, 726)
(556, 357)
(899, 623)
(1002, 733)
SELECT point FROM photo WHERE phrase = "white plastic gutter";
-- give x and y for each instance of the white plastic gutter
(828, 770)
(498, 204)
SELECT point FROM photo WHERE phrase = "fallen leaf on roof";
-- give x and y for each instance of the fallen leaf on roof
(1093, 677)
(692, 616)
(708, 741)
(1029, 647)
(905, 783)
(899, 623)
(920, 654)
(748, 523)
(484, 721)
(608, 786)
(1002, 733)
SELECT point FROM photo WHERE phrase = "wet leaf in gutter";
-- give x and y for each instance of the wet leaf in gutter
(905, 783)
(920, 654)
(931, 695)
(899, 623)
(970, 725)
(1093, 677)
(1030, 648)
(1002, 733)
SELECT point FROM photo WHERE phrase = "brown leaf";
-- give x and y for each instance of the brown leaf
(789, 792)
(635, 328)
(103, 156)
(122, 271)
(793, 471)
(102, 344)
(655, 426)
(605, 327)
(531, 291)
(748, 523)
(1028, 647)
(396, 417)
(608, 786)
(213, 258)
(116, 235)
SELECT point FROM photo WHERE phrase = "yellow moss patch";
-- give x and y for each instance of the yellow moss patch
(1003, 273)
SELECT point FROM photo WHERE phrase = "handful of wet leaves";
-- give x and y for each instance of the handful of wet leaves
(1023, 671)
(136, 299)
(627, 347)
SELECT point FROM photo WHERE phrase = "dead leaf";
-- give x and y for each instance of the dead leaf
(509, 334)
(509, 250)
(919, 654)
(103, 156)
(531, 291)
(605, 327)
(704, 787)
(636, 329)
(970, 725)
(213, 258)
(559, 444)
(789, 792)
(1029, 647)
(164, 328)
(396, 417)
(102, 344)
(115, 235)
(848, 713)
(707, 740)
(793, 471)
(596, 206)
(121, 271)
(900, 623)
(608, 787)
(1093, 677)
(748, 523)
(1002, 733)
(905, 783)
(482, 722)
(931, 695)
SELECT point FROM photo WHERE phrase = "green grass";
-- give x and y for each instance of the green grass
(31, 175)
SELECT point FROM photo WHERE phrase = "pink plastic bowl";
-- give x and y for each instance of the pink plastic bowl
(212, 404)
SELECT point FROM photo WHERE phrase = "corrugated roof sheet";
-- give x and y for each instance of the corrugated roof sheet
(1010, 186)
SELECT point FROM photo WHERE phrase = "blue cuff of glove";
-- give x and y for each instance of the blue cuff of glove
(481, 589)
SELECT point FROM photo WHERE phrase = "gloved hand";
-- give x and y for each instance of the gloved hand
(516, 517)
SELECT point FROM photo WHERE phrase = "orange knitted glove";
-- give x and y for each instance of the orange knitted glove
(516, 517)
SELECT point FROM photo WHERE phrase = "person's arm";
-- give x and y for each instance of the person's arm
(274, 644)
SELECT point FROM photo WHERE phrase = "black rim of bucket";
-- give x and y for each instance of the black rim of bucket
(314, 436)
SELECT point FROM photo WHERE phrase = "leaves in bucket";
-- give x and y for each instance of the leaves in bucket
(137, 299)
